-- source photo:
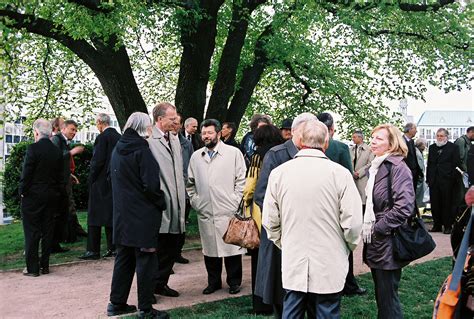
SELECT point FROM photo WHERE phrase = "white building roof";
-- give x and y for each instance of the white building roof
(447, 118)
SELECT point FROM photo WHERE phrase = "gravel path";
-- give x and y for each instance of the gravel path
(80, 290)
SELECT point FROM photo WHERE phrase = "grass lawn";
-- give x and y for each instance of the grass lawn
(418, 289)
(12, 241)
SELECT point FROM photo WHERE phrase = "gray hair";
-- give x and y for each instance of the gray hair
(314, 134)
(420, 142)
(442, 129)
(43, 127)
(138, 122)
(302, 118)
(160, 109)
(189, 120)
(408, 127)
(103, 118)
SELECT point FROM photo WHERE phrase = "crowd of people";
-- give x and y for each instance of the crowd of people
(312, 197)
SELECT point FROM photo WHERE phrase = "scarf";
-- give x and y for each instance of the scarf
(369, 216)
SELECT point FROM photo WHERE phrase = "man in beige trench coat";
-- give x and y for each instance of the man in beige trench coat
(216, 180)
(166, 149)
(316, 226)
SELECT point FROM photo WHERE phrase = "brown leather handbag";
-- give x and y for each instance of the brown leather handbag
(242, 231)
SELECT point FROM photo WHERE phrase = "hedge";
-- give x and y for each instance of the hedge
(14, 165)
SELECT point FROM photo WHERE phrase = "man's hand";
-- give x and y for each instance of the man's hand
(470, 196)
(75, 180)
(356, 175)
(77, 150)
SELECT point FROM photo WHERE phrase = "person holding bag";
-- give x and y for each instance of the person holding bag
(265, 138)
(383, 216)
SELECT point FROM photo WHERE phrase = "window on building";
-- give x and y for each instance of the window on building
(16, 139)
(9, 138)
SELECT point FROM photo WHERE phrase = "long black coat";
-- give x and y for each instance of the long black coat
(41, 177)
(412, 162)
(470, 164)
(268, 283)
(100, 189)
(441, 167)
(138, 201)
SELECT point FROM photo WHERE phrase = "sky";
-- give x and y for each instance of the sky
(438, 100)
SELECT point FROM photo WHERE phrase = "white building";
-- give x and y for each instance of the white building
(456, 122)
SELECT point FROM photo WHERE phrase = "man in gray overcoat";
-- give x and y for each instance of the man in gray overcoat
(166, 149)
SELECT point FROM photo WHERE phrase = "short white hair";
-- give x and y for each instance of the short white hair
(103, 118)
(138, 122)
(314, 134)
(42, 127)
(302, 118)
(189, 120)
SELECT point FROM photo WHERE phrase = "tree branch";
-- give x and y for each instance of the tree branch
(402, 5)
(298, 78)
(94, 5)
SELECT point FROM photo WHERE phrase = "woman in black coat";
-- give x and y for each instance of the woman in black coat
(138, 203)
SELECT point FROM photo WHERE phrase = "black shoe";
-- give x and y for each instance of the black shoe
(234, 289)
(447, 230)
(166, 291)
(30, 274)
(182, 260)
(117, 310)
(89, 255)
(109, 253)
(153, 314)
(59, 250)
(210, 289)
(45, 270)
(435, 229)
(358, 292)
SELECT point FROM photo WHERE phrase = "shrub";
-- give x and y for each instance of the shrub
(12, 173)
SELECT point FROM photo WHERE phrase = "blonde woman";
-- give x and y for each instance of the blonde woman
(390, 201)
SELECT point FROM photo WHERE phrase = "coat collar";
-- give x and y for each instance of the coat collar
(308, 152)
(291, 148)
(394, 159)
(219, 150)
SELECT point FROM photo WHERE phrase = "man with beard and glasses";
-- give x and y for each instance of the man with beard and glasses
(441, 176)
(216, 179)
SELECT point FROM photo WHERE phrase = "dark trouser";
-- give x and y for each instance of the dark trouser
(128, 260)
(233, 268)
(386, 284)
(257, 301)
(351, 282)
(94, 236)
(73, 227)
(442, 209)
(38, 225)
(60, 220)
(323, 305)
(168, 250)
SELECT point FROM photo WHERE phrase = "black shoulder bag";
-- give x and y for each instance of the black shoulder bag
(411, 240)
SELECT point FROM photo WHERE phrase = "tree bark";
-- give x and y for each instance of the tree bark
(224, 85)
(198, 41)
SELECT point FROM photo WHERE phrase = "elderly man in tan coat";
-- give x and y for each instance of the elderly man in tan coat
(166, 149)
(361, 157)
(316, 226)
(216, 180)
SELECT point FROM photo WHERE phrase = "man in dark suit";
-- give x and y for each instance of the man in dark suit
(191, 134)
(409, 132)
(100, 190)
(338, 152)
(228, 132)
(441, 176)
(268, 283)
(65, 218)
(39, 191)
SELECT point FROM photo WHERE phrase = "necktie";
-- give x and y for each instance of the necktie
(189, 137)
(355, 156)
(210, 153)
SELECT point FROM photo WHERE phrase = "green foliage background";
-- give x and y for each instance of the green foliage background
(12, 173)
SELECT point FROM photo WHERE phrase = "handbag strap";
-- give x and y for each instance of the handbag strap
(389, 189)
(240, 210)
(461, 258)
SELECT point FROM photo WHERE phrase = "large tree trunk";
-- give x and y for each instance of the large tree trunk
(226, 76)
(198, 41)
